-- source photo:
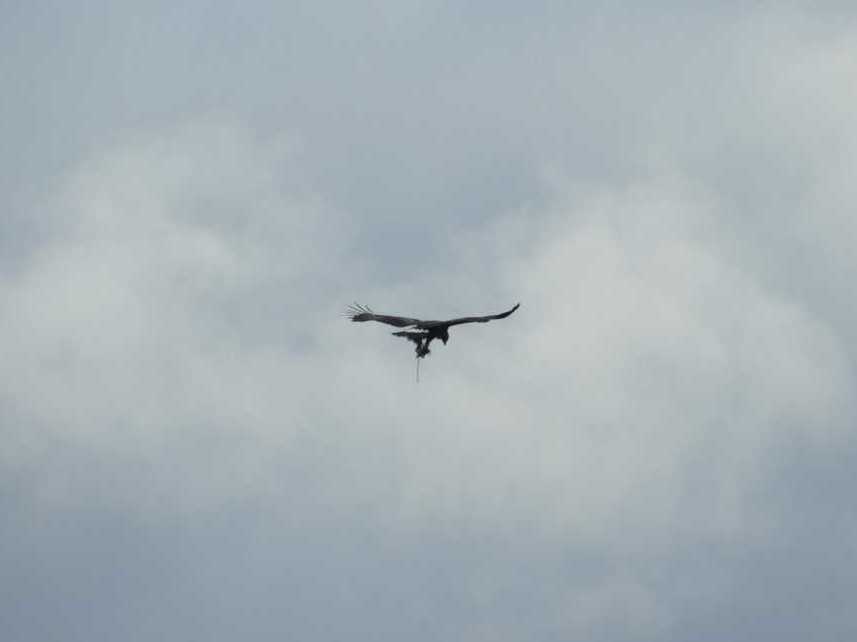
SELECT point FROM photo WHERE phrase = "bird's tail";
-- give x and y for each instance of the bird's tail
(419, 338)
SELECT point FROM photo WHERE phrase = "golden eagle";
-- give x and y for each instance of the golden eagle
(424, 332)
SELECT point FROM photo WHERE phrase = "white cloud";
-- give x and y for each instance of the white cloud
(672, 399)
(637, 345)
(114, 336)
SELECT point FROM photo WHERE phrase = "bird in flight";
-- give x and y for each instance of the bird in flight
(422, 332)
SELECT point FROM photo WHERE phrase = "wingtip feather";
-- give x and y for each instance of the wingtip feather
(359, 312)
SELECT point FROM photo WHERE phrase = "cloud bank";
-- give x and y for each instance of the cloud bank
(658, 445)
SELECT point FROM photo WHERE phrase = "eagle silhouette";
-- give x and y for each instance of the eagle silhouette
(423, 332)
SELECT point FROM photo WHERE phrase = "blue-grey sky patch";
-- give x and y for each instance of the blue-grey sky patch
(659, 445)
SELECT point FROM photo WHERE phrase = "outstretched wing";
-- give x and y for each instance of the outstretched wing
(357, 312)
(485, 319)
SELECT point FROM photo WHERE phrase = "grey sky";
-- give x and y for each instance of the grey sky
(659, 445)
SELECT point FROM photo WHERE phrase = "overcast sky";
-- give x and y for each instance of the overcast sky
(659, 445)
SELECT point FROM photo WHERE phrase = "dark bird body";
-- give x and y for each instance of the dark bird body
(423, 332)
